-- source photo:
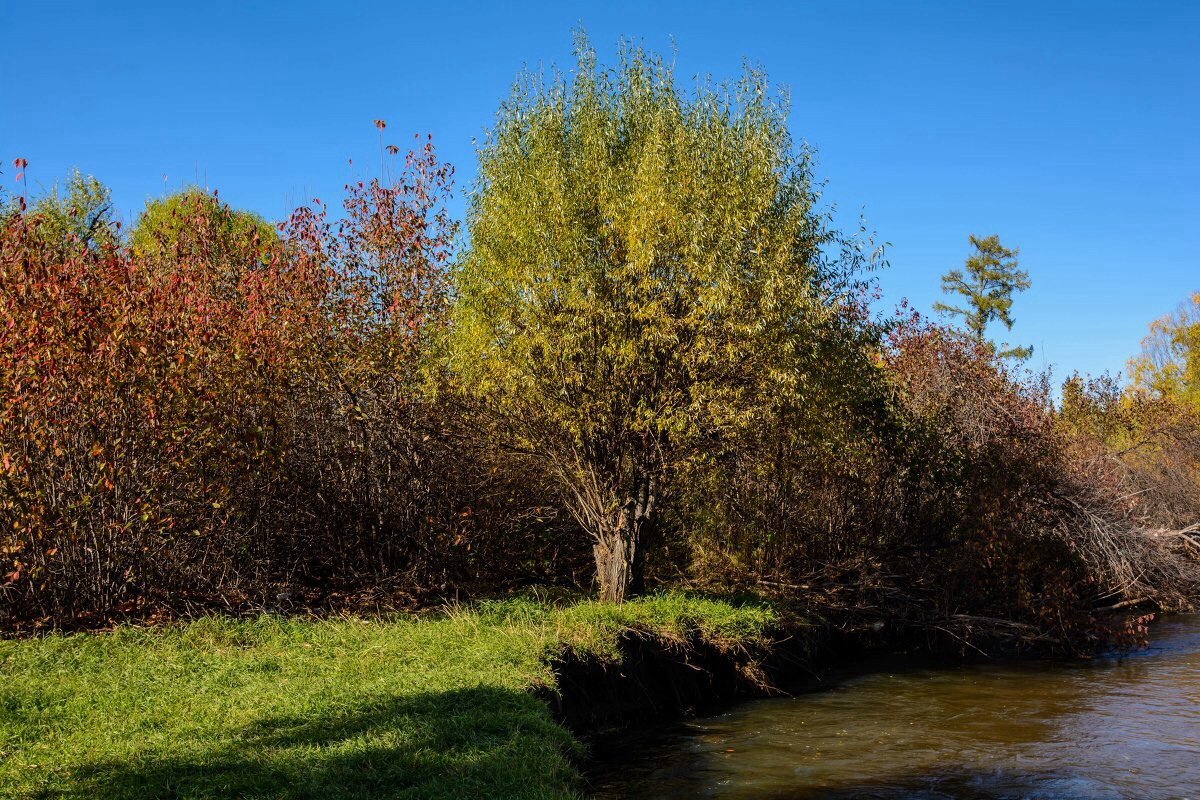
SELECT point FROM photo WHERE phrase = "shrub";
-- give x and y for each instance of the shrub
(221, 415)
(954, 488)
(136, 407)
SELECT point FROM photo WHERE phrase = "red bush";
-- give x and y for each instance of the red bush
(225, 414)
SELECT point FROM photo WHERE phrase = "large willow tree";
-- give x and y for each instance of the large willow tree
(646, 276)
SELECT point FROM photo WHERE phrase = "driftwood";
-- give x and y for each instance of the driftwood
(1136, 564)
(1137, 601)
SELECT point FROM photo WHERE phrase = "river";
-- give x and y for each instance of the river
(1114, 727)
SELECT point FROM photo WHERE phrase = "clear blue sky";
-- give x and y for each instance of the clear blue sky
(1069, 128)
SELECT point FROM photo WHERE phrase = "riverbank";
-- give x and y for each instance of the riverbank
(456, 704)
(491, 700)
(905, 726)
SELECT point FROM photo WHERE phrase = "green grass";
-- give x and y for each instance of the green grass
(439, 706)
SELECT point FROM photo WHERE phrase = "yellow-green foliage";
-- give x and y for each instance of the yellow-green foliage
(193, 223)
(647, 274)
(80, 211)
(642, 260)
(1169, 364)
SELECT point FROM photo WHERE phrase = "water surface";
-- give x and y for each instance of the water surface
(1124, 727)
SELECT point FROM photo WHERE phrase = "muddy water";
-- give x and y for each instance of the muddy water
(1111, 728)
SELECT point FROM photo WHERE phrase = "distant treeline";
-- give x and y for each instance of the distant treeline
(651, 360)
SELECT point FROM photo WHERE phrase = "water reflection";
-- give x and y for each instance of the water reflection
(1112, 728)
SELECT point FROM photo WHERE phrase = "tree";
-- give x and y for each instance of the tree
(193, 226)
(80, 214)
(988, 285)
(1169, 364)
(646, 276)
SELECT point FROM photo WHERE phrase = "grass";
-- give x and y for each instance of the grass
(440, 706)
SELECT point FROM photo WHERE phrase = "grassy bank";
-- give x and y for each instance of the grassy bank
(442, 706)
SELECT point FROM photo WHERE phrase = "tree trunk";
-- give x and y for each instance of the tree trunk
(615, 551)
(618, 547)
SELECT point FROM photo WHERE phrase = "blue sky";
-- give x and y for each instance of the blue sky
(1069, 128)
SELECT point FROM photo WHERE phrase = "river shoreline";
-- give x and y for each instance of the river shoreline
(655, 679)
(656, 683)
(511, 698)
(1118, 725)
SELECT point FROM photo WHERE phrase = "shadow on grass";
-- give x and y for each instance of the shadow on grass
(480, 742)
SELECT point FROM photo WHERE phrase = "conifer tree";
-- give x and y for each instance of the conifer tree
(988, 284)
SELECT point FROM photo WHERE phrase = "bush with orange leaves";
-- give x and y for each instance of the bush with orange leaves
(228, 417)
(1008, 513)
(136, 408)
(988, 482)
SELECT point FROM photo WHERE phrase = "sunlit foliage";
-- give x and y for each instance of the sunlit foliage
(987, 286)
(1169, 363)
(647, 275)
(192, 225)
(183, 417)
(78, 213)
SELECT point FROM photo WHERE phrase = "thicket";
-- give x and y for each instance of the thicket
(215, 414)
(652, 361)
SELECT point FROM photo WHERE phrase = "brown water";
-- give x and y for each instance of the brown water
(1110, 728)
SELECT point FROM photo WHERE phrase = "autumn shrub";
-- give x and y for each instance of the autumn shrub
(952, 485)
(1136, 460)
(135, 409)
(390, 480)
(811, 484)
(987, 472)
(221, 414)
(1146, 446)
